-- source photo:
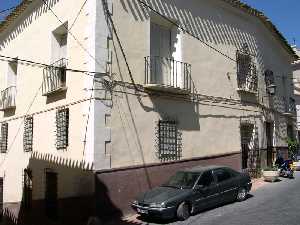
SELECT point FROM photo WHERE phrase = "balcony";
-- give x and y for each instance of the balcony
(290, 107)
(8, 98)
(168, 75)
(54, 77)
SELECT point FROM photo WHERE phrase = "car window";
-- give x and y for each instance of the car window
(206, 179)
(183, 179)
(232, 172)
(222, 175)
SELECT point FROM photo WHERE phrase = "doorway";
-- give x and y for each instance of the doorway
(269, 136)
(51, 194)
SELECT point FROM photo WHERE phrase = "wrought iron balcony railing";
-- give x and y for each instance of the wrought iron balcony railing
(54, 77)
(246, 72)
(167, 74)
(8, 98)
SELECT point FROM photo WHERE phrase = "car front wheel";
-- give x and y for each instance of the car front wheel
(242, 194)
(183, 211)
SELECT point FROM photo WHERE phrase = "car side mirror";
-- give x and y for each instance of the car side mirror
(199, 187)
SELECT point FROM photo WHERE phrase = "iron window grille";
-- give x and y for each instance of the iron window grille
(246, 70)
(269, 78)
(169, 140)
(27, 188)
(4, 135)
(28, 134)
(62, 128)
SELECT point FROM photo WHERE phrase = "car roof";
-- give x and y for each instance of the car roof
(200, 169)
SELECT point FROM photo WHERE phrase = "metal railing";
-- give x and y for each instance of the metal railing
(8, 98)
(54, 77)
(246, 72)
(168, 72)
(290, 106)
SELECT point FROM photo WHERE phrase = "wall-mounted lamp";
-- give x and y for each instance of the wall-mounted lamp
(271, 89)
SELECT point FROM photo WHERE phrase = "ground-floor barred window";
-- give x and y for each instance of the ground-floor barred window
(3, 137)
(62, 128)
(169, 140)
(28, 134)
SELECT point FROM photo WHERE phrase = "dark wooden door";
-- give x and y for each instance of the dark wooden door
(269, 135)
(51, 195)
(1, 198)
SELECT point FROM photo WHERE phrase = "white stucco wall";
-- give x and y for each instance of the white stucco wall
(29, 37)
(212, 128)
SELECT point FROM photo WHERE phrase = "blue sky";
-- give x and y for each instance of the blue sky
(285, 14)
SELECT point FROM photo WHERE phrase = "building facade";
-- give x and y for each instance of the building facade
(102, 100)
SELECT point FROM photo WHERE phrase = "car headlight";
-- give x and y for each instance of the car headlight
(157, 205)
(135, 202)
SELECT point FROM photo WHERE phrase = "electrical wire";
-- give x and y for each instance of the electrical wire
(44, 65)
(5, 10)
(22, 122)
(68, 30)
(190, 33)
(77, 15)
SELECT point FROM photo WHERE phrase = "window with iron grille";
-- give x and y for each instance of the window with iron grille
(3, 138)
(27, 188)
(246, 70)
(62, 128)
(28, 134)
(169, 140)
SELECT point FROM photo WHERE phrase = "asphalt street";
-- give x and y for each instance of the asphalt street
(275, 203)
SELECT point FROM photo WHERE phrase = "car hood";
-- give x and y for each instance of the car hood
(162, 194)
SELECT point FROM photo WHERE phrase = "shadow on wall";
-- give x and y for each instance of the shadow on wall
(207, 26)
(60, 191)
(39, 11)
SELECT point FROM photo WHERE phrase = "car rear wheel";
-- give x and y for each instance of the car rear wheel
(183, 211)
(242, 194)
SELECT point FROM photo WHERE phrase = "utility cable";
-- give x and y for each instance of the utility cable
(190, 33)
(77, 15)
(119, 42)
(5, 10)
(22, 122)
(68, 30)
(39, 64)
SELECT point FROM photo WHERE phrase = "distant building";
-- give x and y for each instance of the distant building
(296, 79)
(127, 93)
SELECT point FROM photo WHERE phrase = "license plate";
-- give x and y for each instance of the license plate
(142, 211)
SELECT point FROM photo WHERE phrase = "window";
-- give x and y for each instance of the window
(28, 134)
(12, 73)
(246, 70)
(206, 179)
(62, 128)
(222, 175)
(169, 140)
(59, 42)
(4, 135)
(269, 80)
(290, 131)
(27, 188)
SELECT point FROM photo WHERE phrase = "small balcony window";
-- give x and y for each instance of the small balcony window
(54, 77)
(8, 98)
(290, 107)
(162, 73)
(62, 128)
(169, 140)
(3, 137)
(270, 82)
(246, 71)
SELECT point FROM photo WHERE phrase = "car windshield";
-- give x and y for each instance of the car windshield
(182, 180)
